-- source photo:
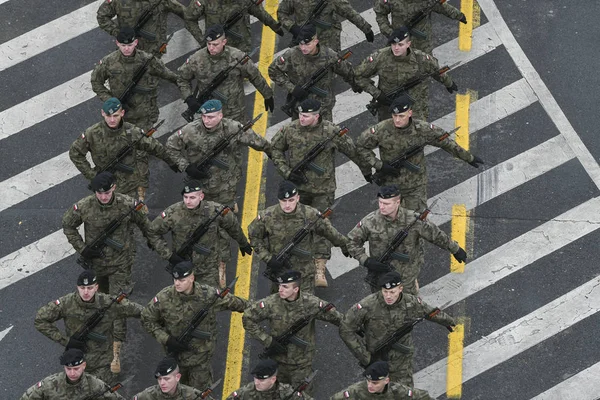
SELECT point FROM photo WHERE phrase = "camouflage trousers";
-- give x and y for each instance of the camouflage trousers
(401, 367)
(113, 281)
(320, 201)
(144, 121)
(198, 376)
(103, 373)
(294, 374)
(330, 37)
(207, 271)
(224, 197)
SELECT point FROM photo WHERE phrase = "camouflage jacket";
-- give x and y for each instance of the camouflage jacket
(191, 143)
(294, 68)
(104, 143)
(154, 32)
(298, 140)
(393, 142)
(279, 391)
(184, 392)
(95, 217)
(378, 321)
(379, 231)
(282, 314)
(273, 229)
(75, 312)
(170, 312)
(56, 387)
(204, 68)
(393, 391)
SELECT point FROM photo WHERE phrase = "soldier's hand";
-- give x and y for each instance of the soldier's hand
(174, 168)
(279, 30)
(275, 265)
(299, 93)
(175, 259)
(193, 171)
(356, 88)
(383, 100)
(246, 249)
(277, 348)
(452, 88)
(175, 346)
(270, 104)
(193, 103)
(370, 36)
(368, 178)
(460, 255)
(387, 169)
(476, 162)
(295, 30)
(89, 253)
(375, 266)
(75, 343)
(463, 18)
(345, 251)
(296, 177)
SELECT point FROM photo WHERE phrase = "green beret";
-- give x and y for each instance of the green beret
(211, 106)
(111, 106)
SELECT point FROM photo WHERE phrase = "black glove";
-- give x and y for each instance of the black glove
(175, 259)
(384, 100)
(368, 178)
(89, 253)
(460, 255)
(270, 104)
(193, 171)
(356, 88)
(370, 36)
(274, 265)
(375, 266)
(295, 30)
(296, 177)
(174, 168)
(345, 251)
(476, 162)
(246, 249)
(299, 93)
(193, 103)
(279, 30)
(175, 346)
(463, 18)
(76, 344)
(277, 348)
(387, 169)
(452, 88)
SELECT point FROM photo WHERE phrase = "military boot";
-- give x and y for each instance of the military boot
(141, 191)
(320, 278)
(222, 275)
(115, 365)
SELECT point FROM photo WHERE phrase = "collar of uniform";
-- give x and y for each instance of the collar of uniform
(128, 59)
(215, 129)
(63, 376)
(313, 56)
(408, 58)
(193, 211)
(399, 303)
(407, 129)
(87, 304)
(288, 215)
(221, 55)
(113, 132)
(312, 128)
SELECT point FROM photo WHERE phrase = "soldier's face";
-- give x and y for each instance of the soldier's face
(402, 120)
(262, 385)
(377, 386)
(87, 292)
(213, 119)
(184, 285)
(168, 383)
(192, 200)
(289, 205)
(308, 119)
(127, 49)
(74, 373)
(113, 120)
(105, 197)
(309, 48)
(391, 295)
(389, 207)
(288, 291)
(216, 46)
(400, 48)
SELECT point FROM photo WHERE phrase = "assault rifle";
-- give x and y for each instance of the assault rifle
(235, 17)
(104, 239)
(191, 244)
(210, 389)
(411, 83)
(289, 336)
(210, 91)
(402, 160)
(307, 161)
(314, 14)
(420, 16)
(302, 386)
(390, 252)
(310, 84)
(290, 248)
(110, 389)
(143, 18)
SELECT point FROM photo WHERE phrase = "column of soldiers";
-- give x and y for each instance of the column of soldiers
(204, 222)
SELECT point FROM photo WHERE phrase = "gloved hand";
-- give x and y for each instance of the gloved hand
(192, 103)
(174, 168)
(193, 171)
(277, 348)
(370, 36)
(476, 162)
(375, 266)
(356, 88)
(383, 100)
(270, 104)
(295, 30)
(274, 265)
(387, 169)
(345, 251)
(452, 88)
(279, 30)
(460, 255)
(368, 178)
(246, 249)
(89, 253)
(175, 259)
(463, 18)
(76, 344)
(175, 346)
(299, 93)
(296, 177)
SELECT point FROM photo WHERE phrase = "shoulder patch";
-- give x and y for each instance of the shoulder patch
(419, 300)
(320, 304)
(135, 397)
(57, 302)
(431, 126)
(155, 299)
(281, 60)
(258, 217)
(75, 208)
(109, 1)
(39, 384)
(372, 129)
(198, 3)
(370, 58)
(261, 304)
(410, 393)
(347, 394)
(163, 215)
(358, 306)
(179, 133)
(187, 61)
(83, 135)
(100, 62)
(427, 56)
(359, 224)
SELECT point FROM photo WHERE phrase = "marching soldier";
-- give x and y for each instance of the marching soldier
(293, 13)
(205, 65)
(394, 137)
(395, 65)
(72, 383)
(170, 312)
(381, 314)
(168, 376)
(182, 219)
(101, 346)
(381, 226)
(283, 310)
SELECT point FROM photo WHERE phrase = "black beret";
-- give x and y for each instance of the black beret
(264, 369)
(86, 278)
(309, 105)
(398, 35)
(377, 371)
(126, 35)
(387, 192)
(390, 280)
(289, 276)
(182, 269)
(286, 190)
(191, 186)
(401, 104)
(72, 358)
(213, 33)
(307, 34)
(102, 182)
(165, 367)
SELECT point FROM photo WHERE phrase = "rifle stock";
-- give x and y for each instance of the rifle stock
(302, 386)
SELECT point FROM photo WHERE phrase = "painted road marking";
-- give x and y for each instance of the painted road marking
(582, 386)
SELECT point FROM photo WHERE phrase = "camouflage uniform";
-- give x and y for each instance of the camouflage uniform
(182, 222)
(378, 321)
(279, 391)
(296, 364)
(154, 33)
(294, 68)
(104, 143)
(75, 312)
(170, 312)
(56, 387)
(183, 392)
(329, 21)
(393, 142)
(273, 229)
(379, 230)
(204, 67)
(395, 71)
(394, 391)
(403, 10)
(216, 12)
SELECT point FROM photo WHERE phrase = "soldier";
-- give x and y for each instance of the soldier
(218, 12)
(153, 33)
(275, 227)
(299, 63)
(118, 68)
(394, 137)
(378, 386)
(106, 139)
(167, 374)
(205, 65)
(182, 219)
(404, 10)
(318, 191)
(73, 383)
(379, 228)
(378, 316)
(265, 385)
(169, 313)
(395, 65)
(293, 13)
(283, 310)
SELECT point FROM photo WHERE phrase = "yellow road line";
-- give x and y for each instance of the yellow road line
(465, 31)
(463, 102)
(455, 362)
(235, 348)
(459, 234)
